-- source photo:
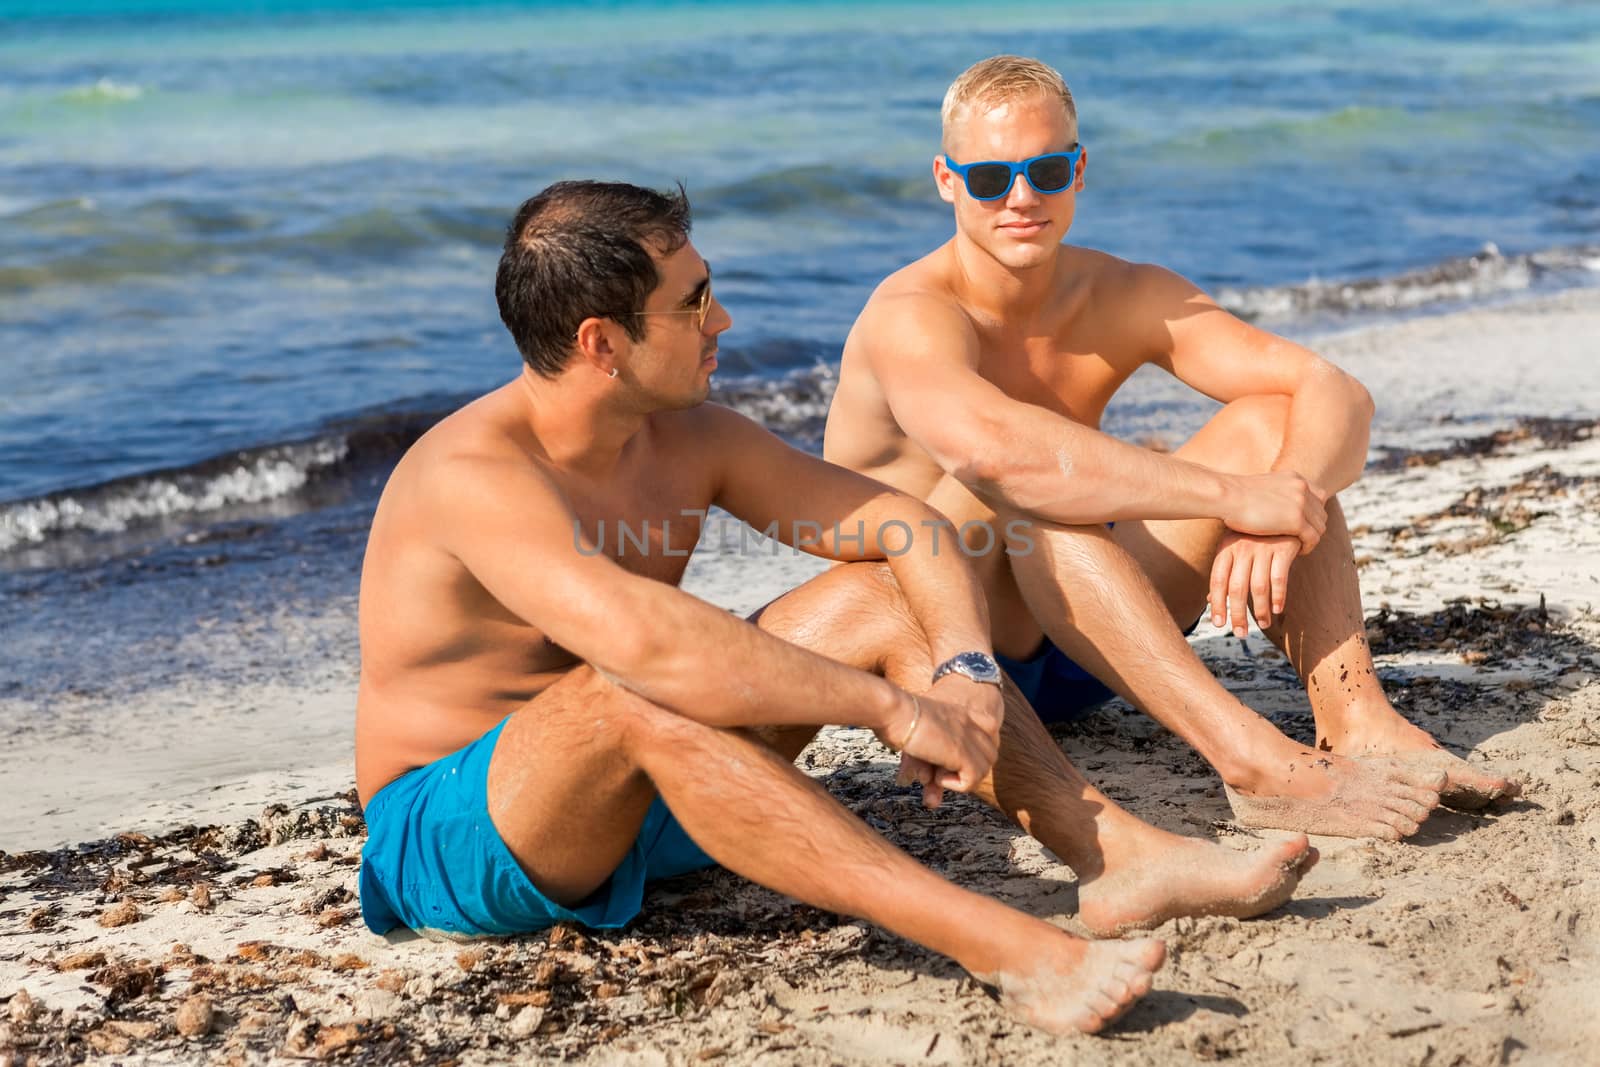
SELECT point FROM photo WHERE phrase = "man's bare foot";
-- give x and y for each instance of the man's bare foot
(1067, 985)
(1386, 733)
(1187, 876)
(1326, 793)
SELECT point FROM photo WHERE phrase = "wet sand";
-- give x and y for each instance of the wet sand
(237, 940)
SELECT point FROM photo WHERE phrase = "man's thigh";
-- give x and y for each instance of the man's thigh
(563, 792)
(1176, 554)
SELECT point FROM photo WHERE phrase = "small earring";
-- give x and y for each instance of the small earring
(613, 373)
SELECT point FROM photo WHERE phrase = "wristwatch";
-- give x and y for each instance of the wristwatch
(979, 666)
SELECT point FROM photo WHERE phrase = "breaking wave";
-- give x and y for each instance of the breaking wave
(229, 485)
(1483, 276)
(248, 477)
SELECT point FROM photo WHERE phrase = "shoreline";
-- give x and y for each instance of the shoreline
(1468, 943)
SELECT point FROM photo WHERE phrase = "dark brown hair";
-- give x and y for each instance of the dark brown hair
(582, 249)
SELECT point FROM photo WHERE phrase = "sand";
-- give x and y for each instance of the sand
(1474, 942)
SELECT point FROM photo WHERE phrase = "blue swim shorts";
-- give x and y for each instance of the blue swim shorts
(1058, 689)
(434, 862)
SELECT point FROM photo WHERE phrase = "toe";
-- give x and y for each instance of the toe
(1128, 972)
(1424, 774)
(1141, 985)
(1406, 827)
(1435, 780)
(1105, 1006)
(1292, 852)
(1470, 789)
(1485, 780)
(1428, 798)
(1409, 809)
(1152, 952)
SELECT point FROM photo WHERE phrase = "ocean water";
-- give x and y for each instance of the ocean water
(247, 249)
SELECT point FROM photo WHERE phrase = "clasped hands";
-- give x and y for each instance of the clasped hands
(949, 739)
(1274, 519)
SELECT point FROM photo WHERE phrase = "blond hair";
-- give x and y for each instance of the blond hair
(1001, 80)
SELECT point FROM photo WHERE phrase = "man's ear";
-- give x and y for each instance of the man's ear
(945, 179)
(1083, 165)
(598, 343)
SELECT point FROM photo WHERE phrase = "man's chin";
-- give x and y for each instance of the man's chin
(1015, 254)
(695, 398)
(1024, 255)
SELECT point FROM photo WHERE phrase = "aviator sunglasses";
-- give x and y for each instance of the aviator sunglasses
(991, 179)
(700, 310)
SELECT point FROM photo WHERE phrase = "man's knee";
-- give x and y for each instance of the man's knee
(864, 588)
(849, 613)
(596, 711)
(1245, 437)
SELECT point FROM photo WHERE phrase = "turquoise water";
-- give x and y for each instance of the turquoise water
(246, 249)
(225, 224)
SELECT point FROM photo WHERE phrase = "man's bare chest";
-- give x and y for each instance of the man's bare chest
(648, 525)
(1073, 379)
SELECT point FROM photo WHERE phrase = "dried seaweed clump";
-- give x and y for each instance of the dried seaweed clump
(1486, 632)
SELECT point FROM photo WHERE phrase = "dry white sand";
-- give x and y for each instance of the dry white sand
(1474, 942)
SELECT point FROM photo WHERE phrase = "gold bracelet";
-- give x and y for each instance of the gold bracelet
(916, 720)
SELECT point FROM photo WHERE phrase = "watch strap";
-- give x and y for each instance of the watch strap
(957, 665)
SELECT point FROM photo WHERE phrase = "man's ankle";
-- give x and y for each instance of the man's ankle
(1259, 765)
(1352, 718)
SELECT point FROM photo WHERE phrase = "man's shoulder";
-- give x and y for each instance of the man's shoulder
(1132, 279)
(707, 428)
(1110, 274)
(915, 300)
(926, 287)
(1126, 298)
(474, 444)
(926, 279)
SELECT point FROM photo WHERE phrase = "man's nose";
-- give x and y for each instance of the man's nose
(1022, 194)
(718, 319)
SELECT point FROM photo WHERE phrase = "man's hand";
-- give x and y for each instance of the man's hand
(1277, 503)
(954, 743)
(1251, 570)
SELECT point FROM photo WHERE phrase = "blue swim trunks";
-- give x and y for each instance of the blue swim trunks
(1058, 689)
(434, 862)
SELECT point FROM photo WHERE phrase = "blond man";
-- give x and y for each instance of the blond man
(976, 378)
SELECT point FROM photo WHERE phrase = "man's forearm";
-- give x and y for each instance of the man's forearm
(711, 666)
(1061, 471)
(939, 585)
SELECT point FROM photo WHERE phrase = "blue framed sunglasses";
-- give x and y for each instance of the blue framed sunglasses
(991, 179)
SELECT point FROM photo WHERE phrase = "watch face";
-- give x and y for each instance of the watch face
(978, 667)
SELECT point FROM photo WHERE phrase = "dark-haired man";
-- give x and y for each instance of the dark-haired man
(545, 721)
(975, 379)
